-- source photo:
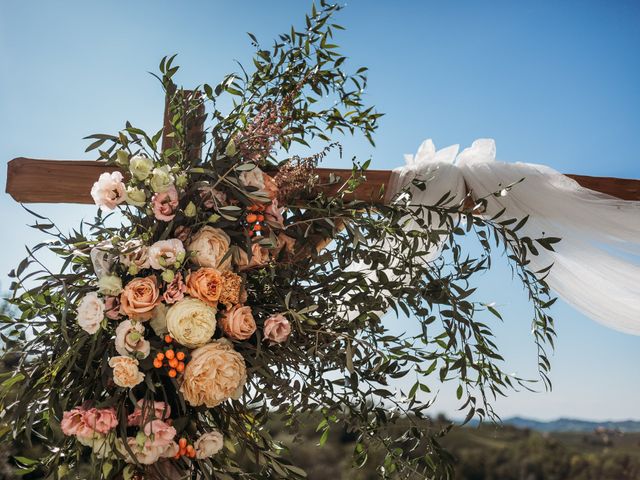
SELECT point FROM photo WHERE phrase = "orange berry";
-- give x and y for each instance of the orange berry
(180, 367)
(182, 443)
(257, 227)
(190, 450)
(157, 363)
(170, 354)
(183, 451)
(180, 356)
(173, 363)
(160, 356)
(261, 218)
(172, 373)
(252, 217)
(168, 339)
(251, 233)
(176, 456)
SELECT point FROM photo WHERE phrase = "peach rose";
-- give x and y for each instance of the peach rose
(209, 246)
(139, 298)
(205, 284)
(277, 328)
(191, 322)
(125, 371)
(109, 191)
(166, 253)
(238, 323)
(215, 373)
(165, 204)
(209, 444)
(130, 340)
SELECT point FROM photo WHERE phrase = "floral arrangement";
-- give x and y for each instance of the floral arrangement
(214, 289)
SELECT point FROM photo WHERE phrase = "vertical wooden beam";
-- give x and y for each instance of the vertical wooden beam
(194, 123)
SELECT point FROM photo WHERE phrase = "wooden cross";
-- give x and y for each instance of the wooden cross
(69, 181)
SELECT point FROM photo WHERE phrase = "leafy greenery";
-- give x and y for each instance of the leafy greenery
(341, 360)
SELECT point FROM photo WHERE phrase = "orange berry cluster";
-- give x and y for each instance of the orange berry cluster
(186, 450)
(255, 218)
(171, 359)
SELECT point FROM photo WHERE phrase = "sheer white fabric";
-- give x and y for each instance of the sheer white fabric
(595, 266)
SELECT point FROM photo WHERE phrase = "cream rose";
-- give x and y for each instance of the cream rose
(215, 373)
(130, 340)
(161, 179)
(209, 246)
(159, 319)
(166, 253)
(125, 371)
(140, 167)
(209, 444)
(90, 312)
(238, 323)
(140, 297)
(191, 322)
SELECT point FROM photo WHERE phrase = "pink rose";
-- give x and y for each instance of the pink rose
(112, 308)
(161, 433)
(101, 420)
(164, 204)
(109, 191)
(175, 290)
(277, 328)
(152, 411)
(73, 421)
(238, 323)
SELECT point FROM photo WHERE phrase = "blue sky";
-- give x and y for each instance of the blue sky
(552, 82)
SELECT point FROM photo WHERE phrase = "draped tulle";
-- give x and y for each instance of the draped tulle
(595, 265)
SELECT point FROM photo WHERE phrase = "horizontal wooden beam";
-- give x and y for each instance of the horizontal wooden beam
(69, 181)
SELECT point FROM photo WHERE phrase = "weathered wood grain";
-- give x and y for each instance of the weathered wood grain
(69, 181)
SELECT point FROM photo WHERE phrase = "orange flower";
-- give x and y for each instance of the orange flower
(205, 284)
(140, 297)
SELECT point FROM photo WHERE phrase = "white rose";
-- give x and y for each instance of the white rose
(109, 191)
(90, 312)
(209, 444)
(110, 285)
(252, 178)
(191, 322)
(140, 167)
(161, 179)
(166, 253)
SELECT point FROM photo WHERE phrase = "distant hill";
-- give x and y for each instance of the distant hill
(572, 425)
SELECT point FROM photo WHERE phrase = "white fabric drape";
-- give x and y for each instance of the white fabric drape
(596, 266)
